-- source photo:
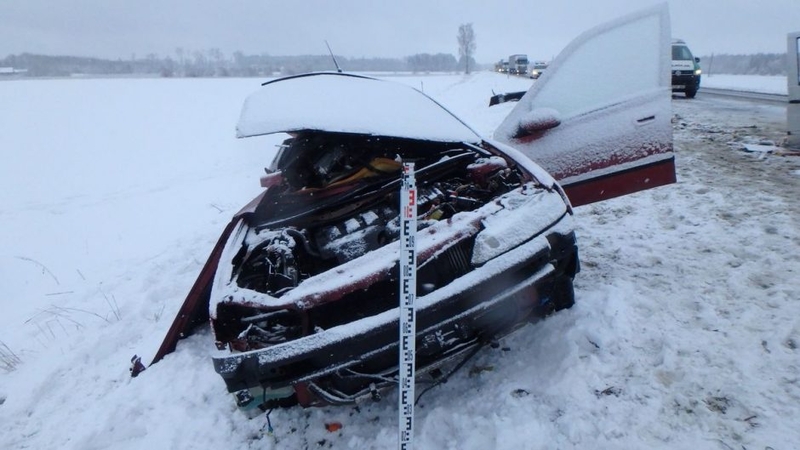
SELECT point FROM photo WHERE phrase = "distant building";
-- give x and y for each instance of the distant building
(11, 71)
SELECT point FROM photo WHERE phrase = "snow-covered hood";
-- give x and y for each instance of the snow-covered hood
(348, 103)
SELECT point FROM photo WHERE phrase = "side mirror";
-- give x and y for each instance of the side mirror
(508, 97)
(696, 59)
(536, 122)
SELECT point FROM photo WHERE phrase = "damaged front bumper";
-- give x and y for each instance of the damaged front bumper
(348, 362)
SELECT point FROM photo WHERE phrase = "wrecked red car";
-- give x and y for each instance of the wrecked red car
(302, 289)
(306, 290)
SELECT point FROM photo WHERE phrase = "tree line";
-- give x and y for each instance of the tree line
(757, 64)
(213, 63)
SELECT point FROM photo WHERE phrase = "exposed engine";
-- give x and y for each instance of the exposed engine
(303, 285)
(337, 200)
(358, 203)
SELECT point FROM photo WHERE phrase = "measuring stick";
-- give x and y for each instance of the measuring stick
(408, 313)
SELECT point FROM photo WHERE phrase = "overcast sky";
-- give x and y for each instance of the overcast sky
(369, 28)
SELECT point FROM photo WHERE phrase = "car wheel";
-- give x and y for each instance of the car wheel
(563, 293)
(690, 93)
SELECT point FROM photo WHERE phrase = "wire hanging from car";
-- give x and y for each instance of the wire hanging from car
(443, 379)
(269, 423)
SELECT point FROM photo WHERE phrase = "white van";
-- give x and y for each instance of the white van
(685, 69)
(538, 69)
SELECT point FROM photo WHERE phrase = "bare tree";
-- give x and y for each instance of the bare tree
(466, 43)
(181, 61)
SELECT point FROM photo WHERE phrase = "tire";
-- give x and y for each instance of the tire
(563, 293)
(691, 90)
(561, 296)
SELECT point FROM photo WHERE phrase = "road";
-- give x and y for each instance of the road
(753, 96)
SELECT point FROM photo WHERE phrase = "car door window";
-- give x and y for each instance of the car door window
(599, 117)
(604, 70)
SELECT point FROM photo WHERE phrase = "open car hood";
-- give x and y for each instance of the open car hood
(347, 103)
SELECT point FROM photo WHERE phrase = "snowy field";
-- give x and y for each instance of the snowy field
(751, 83)
(685, 333)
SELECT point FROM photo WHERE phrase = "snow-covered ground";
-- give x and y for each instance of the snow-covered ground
(685, 333)
(752, 83)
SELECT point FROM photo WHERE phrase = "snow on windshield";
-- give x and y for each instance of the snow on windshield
(602, 66)
(621, 114)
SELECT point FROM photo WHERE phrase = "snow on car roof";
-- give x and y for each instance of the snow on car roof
(347, 103)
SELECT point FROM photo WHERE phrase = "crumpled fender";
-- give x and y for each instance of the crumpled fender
(194, 310)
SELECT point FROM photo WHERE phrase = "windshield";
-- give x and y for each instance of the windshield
(681, 53)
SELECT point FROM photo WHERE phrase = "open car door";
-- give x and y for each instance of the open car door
(602, 129)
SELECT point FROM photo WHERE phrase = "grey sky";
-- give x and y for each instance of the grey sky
(369, 28)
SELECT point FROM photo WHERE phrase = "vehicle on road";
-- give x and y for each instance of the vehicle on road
(686, 70)
(538, 69)
(518, 64)
(501, 66)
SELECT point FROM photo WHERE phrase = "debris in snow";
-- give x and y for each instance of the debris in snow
(477, 370)
(519, 393)
(718, 404)
(136, 366)
(751, 421)
(759, 148)
(333, 426)
(611, 390)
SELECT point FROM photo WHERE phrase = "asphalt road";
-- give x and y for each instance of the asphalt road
(753, 96)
